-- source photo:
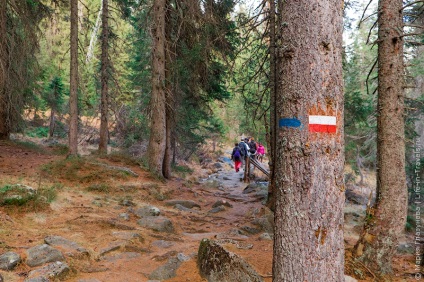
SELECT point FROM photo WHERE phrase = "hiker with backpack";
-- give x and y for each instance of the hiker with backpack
(244, 149)
(236, 156)
(253, 147)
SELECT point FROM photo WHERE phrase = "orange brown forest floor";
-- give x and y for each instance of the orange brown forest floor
(90, 203)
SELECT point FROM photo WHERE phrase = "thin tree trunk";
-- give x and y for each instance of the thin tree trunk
(73, 95)
(104, 105)
(309, 160)
(157, 141)
(273, 93)
(93, 37)
(387, 218)
(52, 123)
(4, 57)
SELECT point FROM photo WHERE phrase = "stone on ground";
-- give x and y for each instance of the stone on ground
(217, 264)
(9, 260)
(157, 223)
(42, 254)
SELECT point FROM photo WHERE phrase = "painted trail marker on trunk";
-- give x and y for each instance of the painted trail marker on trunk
(289, 122)
(325, 124)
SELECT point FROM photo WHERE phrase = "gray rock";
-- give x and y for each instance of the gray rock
(147, 211)
(127, 203)
(265, 237)
(217, 165)
(356, 198)
(124, 235)
(185, 203)
(182, 257)
(37, 279)
(405, 248)
(252, 187)
(157, 223)
(124, 216)
(70, 248)
(56, 271)
(266, 223)
(162, 244)
(250, 230)
(9, 260)
(167, 270)
(228, 268)
(222, 203)
(350, 279)
(182, 208)
(41, 254)
(217, 209)
(111, 248)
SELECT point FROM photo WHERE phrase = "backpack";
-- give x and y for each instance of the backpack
(242, 148)
(237, 154)
(252, 146)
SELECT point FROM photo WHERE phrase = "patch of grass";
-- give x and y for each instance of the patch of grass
(21, 195)
(60, 149)
(182, 170)
(81, 170)
(30, 146)
(103, 188)
(123, 158)
(39, 132)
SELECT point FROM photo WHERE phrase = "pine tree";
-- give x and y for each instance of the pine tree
(308, 242)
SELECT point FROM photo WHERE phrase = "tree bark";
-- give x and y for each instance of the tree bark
(4, 57)
(273, 112)
(157, 141)
(73, 93)
(387, 218)
(308, 242)
(52, 123)
(104, 105)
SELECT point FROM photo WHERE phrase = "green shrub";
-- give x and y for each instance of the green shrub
(39, 132)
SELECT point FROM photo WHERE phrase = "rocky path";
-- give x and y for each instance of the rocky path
(142, 230)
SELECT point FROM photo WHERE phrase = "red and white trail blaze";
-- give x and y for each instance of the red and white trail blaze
(326, 124)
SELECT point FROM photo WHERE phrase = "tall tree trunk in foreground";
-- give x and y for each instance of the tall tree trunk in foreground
(386, 220)
(273, 112)
(104, 105)
(157, 142)
(4, 57)
(308, 242)
(73, 93)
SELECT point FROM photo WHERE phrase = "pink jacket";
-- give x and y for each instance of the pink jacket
(261, 150)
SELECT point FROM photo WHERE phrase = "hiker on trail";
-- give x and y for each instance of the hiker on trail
(244, 149)
(260, 152)
(236, 156)
(253, 147)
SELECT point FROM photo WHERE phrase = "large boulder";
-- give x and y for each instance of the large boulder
(42, 254)
(9, 260)
(217, 264)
